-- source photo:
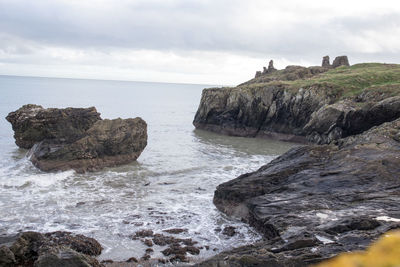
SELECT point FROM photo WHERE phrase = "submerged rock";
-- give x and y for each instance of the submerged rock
(73, 138)
(314, 202)
(51, 249)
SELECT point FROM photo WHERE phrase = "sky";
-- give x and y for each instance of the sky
(221, 42)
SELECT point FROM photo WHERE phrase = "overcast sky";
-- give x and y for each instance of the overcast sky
(209, 41)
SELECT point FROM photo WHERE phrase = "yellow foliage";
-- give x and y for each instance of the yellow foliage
(383, 253)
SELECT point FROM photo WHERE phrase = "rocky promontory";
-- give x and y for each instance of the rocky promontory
(76, 138)
(314, 104)
(314, 201)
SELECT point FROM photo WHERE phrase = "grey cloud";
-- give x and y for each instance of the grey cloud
(183, 25)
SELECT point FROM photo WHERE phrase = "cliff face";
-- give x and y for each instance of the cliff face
(315, 104)
(314, 202)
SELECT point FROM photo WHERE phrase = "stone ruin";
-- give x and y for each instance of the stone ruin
(339, 61)
(265, 70)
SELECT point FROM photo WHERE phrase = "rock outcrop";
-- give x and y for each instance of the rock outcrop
(304, 104)
(76, 138)
(33, 123)
(314, 202)
(49, 250)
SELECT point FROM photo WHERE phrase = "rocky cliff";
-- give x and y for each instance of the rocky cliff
(76, 138)
(314, 202)
(315, 104)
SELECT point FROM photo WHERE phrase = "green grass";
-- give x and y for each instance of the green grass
(346, 82)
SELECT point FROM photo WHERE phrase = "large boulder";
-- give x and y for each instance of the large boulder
(51, 249)
(77, 138)
(33, 123)
(314, 202)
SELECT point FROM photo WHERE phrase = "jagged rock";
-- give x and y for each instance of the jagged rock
(325, 62)
(33, 123)
(271, 66)
(340, 61)
(77, 138)
(346, 117)
(265, 71)
(314, 202)
(318, 112)
(258, 74)
(51, 249)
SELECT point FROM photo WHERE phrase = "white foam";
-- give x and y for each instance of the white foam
(324, 239)
(387, 219)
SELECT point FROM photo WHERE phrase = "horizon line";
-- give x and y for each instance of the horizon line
(107, 80)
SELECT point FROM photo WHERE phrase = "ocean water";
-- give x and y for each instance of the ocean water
(170, 186)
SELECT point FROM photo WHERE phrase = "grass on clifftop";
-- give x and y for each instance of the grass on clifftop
(349, 81)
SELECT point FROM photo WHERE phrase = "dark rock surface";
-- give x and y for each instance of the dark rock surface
(314, 202)
(73, 138)
(33, 123)
(49, 250)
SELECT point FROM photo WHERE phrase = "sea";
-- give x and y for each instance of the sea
(171, 185)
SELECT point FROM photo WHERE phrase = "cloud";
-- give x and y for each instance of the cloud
(192, 39)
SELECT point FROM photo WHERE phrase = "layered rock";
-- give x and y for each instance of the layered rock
(304, 104)
(48, 250)
(33, 123)
(72, 138)
(314, 202)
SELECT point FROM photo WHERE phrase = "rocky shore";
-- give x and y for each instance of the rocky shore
(48, 250)
(315, 201)
(76, 138)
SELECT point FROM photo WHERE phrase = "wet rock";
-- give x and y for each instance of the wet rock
(340, 61)
(51, 249)
(144, 233)
(145, 257)
(32, 124)
(149, 250)
(7, 257)
(162, 240)
(347, 225)
(132, 259)
(148, 242)
(79, 243)
(178, 257)
(62, 139)
(229, 231)
(65, 257)
(316, 201)
(175, 231)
